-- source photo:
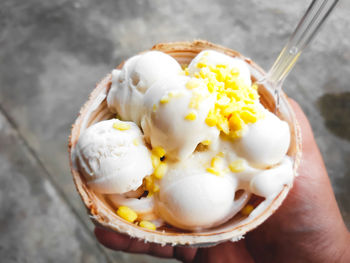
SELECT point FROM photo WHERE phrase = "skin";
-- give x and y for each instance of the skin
(308, 227)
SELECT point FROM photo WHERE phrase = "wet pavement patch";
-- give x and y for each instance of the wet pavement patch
(335, 109)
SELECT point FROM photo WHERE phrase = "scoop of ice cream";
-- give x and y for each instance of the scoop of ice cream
(265, 142)
(131, 82)
(112, 156)
(268, 182)
(175, 115)
(191, 198)
(214, 58)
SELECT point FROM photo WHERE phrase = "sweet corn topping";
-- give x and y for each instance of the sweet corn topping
(127, 213)
(216, 165)
(160, 168)
(164, 99)
(122, 126)
(247, 210)
(136, 142)
(206, 142)
(158, 151)
(193, 83)
(237, 166)
(147, 224)
(160, 171)
(215, 161)
(236, 103)
(151, 185)
(155, 160)
(214, 171)
(186, 72)
(191, 116)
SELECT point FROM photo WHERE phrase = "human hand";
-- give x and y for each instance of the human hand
(308, 227)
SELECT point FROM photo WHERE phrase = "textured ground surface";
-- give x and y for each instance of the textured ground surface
(52, 54)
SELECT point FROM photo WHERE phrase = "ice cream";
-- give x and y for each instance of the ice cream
(202, 137)
(131, 82)
(192, 198)
(112, 156)
(269, 136)
(214, 58)
(175, 115)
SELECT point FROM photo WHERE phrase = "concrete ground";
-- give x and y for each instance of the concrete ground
(52, 54)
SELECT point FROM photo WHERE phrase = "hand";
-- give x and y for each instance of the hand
(308, 227)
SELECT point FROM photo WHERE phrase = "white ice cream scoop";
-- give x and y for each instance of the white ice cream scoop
(131, 82)
(215, 58)
(171, 122)
(191, 198)
(265, 142)
(112, 156)
(197, 201)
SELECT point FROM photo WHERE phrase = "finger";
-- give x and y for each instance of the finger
(185, 254)
(116, 241)
(122, 242)
(309, 146)
(235, 252)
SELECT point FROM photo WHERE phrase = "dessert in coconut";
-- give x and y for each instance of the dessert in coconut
(179, 146)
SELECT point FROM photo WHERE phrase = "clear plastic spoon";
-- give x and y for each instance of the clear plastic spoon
(301, 37)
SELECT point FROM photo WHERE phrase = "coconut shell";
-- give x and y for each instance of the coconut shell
(103, 214)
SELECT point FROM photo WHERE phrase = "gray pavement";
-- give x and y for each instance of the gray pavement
(53, 52)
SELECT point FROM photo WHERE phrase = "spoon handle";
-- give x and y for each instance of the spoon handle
(303, 34)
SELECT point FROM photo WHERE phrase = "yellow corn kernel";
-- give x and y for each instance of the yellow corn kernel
(247, 210)
(186, 72)
(221, 66)
(235, 122)
(148, 180)
(192, 84)
(122, 126)
(223, 126)
(211, 119)
(191, 116)
(164, 99)
(234, 71)
(158, 151)
(127, 213)
(237, 166)
(206, 142)
(213, 171)
(203, 62)
(147, 224)
(136, 142)
(155, 160)
(253, 95)
(160, 171)
(248, 117)
(236, 134)
(211, 87)
(204, 73)
(215, 161)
